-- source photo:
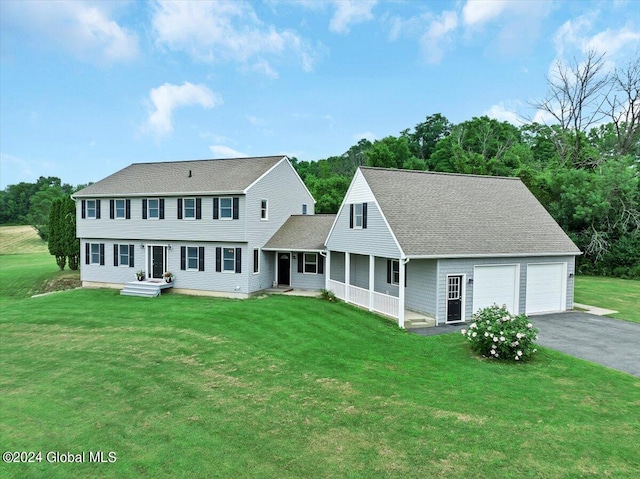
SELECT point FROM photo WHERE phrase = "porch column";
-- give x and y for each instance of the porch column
(347, 274)
(372, 266)
(327, 269)
(401, 267)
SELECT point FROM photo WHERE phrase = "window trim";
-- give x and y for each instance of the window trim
(230, 208)
(184, 208)
(395, 263)
(149, 217)
(256, 260)
(224, 259)
(197, 258)
(95, 210)
(120, 264)
(264, 210)
(357, 216)
(124, 209)
(92, 253)
(305, 263)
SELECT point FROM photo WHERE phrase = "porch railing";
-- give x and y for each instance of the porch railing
(382, 303)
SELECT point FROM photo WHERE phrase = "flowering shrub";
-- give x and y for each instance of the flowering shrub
(328, 295)
(497, 334)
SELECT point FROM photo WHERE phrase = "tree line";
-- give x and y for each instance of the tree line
(583, 166)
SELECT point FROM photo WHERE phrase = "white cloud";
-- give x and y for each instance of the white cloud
(612, 41)
(480, 11)
(222, 151)
(349, 12)
(226, 31)
(84, 28)
(438, 34)
(500, 113)
(166, 98)
(365, 135)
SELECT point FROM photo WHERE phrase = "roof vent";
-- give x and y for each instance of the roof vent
(189, 173)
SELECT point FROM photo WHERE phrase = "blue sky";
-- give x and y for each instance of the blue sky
(87, 88)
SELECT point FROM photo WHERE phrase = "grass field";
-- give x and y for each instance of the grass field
(622, 295)
(20, 240)
(287, 387)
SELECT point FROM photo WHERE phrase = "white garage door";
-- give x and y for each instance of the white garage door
(496, 284)
(546, 287)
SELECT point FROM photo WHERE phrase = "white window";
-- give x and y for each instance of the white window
(357, 215)
(226, 208)
(154, 209)
(311, 263)
(264, 210)
(229, 260)
(121, 210)
(192, 258)
(304, 208)
(256, 260)
(123, 255)
(91, 209)
(95, 253)
(395, 272)
(189, 208)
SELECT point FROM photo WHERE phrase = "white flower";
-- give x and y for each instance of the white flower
(474, 334)
(519, 353)
(495, 339)
(519, 335)
(529, 325)
(502, 339)
(486, 334)
(517, 358)
(493, 351)
(473, 326)
(506, 318)
(535, 350)
(463, 331)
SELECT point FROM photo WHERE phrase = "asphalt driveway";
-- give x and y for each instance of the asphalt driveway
(611, 342)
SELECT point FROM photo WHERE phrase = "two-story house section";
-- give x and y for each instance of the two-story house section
(204, 221)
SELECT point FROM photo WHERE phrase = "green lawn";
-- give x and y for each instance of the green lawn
(183, 386)
(622, 295)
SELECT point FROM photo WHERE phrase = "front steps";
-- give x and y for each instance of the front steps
(145, 289)
(413, 319)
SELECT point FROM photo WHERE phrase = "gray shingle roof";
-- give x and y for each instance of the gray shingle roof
(172, 177)
(302, 233)
(451, 214)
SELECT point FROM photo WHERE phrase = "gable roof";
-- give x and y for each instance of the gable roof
(455, 215)
(301, 233)
(183, 177)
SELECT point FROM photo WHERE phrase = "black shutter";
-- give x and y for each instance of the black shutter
(131, 254)
(144, 209)
(320, 264)
(179, 208)
(238, 260)
(183, 257)
(161, 207)
(389, 270)
(364, 216)
(201, 258)
(216, 206)
(98, 209)
(112, 209)
(218, 260)
(115, 254)
(351, 216)
(127, 213)
(101, 254)
(84, 209)
(236, 208)
(300, 262)
(86, 252)
(198, 208)
(405, 275)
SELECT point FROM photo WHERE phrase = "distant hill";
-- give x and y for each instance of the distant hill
(21, 240)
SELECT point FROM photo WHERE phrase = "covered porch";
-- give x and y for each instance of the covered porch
(373, 283)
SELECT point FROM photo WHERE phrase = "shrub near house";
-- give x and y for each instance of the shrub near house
(497, 334)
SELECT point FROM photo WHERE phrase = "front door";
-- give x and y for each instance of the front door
(454, 298)
(284, 269)
(157, 261)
